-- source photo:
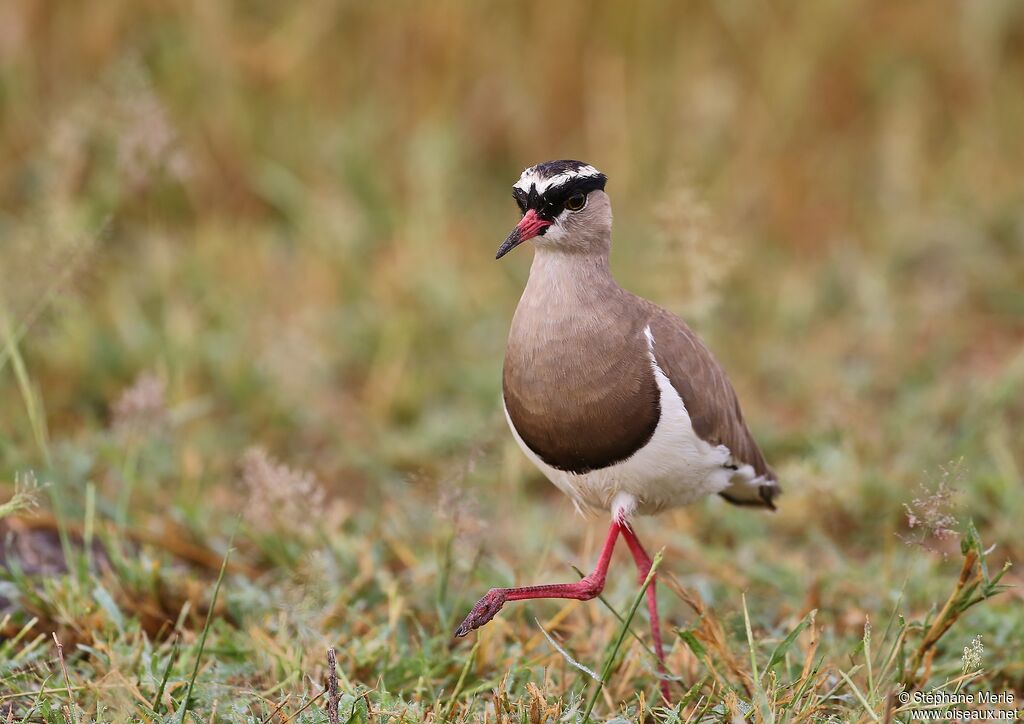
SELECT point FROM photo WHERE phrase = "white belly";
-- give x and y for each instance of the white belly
(674, 468)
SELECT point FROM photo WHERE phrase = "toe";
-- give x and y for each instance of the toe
(482, 612)
(463, 629)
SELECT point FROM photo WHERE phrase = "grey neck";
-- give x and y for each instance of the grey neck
(555, 266)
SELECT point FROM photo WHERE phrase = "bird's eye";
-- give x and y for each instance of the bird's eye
(576, 202)
(520, 203)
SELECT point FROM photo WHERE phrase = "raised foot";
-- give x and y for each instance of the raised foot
(484, 610)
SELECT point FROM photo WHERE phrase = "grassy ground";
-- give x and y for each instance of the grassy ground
(251, 336)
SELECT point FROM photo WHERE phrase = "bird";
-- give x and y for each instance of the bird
(615, 399)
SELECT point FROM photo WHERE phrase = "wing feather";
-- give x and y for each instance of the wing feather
(712, 405)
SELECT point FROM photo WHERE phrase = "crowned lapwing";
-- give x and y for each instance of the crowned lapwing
(615, 399)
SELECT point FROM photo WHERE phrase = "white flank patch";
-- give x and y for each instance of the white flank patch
(530, 177)
(674, 468)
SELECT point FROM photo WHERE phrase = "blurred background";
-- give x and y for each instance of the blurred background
(246, 265)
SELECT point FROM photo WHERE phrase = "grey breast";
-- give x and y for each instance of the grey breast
(579, 386)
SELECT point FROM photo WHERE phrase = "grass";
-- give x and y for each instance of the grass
(246, 267)
(609, 662)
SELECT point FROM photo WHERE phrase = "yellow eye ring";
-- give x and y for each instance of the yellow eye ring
(576, 202)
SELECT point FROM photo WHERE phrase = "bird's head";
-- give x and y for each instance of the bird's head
(564, 205)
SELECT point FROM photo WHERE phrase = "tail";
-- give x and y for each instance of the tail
(747, 489)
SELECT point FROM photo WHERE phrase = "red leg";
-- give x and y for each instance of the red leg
(643, 564)
(583, 590)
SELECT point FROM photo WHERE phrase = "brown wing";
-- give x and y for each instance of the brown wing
(711, 403)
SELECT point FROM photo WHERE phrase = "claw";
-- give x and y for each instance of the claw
(484, 610)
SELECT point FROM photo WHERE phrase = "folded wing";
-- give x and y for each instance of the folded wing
(713, 407)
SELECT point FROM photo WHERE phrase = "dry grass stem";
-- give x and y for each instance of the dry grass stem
(333, 697)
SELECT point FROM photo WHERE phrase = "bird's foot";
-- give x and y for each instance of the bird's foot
(484, 610)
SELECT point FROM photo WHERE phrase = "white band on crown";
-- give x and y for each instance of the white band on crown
(531, 177)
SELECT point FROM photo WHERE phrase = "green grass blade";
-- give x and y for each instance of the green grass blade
(461, 682)
(759, 693)
(636, 637)
(167, 672)
(610, 659)
(780, 651)
(206, 627)
(860, 696)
